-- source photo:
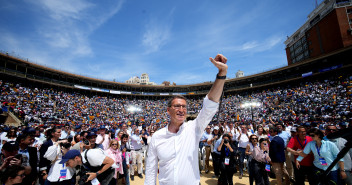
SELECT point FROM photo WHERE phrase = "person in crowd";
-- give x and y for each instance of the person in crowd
(10, 136)
(29, 156)
(52, 135)
(103, 138)
(66, 132)
(205, 137)
(92, 137)
(126, 159)
(296, 146)
(325, 152)
(8, 156)
(286, 137)
(227, 166)
(184, 136)
(118, 136)
(277, 156)
(76, 139)
(114, 153)
(59, 174)
(233, 131)
(261, 133)
(13, 175)
(243, 140)
(136, 153)
(214, 142)
(253, 141)
(341, 143)
(261, 162)
(94, 163)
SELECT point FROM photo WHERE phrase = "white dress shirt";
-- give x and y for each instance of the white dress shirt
(177, 153)
(136, 142)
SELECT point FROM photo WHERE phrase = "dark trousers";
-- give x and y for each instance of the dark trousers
(226, 174)
(332, 178)
(216, 163)
(250, 170)
(259, 173)
(301, 173)
(241, 160)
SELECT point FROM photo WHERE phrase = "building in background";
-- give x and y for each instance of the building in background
(239, 74)
(143, 80)
(328, 28)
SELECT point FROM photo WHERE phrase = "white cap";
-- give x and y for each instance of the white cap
(216, 128)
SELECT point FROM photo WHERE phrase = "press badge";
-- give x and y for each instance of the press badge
(322, 161)
(95, 181)
(227, 161)
(118, 165)
(267, 167)
(63, 173)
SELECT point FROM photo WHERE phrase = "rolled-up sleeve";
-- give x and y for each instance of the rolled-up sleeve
(306, 150)
(206, 114)
(152, 165)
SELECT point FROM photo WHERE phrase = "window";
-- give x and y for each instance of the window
(349, 11)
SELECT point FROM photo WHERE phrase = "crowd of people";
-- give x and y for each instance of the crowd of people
(282, 135)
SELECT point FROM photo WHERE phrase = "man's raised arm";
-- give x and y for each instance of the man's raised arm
(218, 86)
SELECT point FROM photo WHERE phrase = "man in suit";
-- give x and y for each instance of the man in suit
(29, 156)
(277, 155)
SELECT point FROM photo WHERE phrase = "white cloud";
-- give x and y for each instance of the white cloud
(155, 37)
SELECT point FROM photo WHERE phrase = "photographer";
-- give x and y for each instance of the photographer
(227, 160)
(59, 173)
(9, 155)
(95, 165)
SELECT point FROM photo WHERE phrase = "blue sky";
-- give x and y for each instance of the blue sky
(169, 40)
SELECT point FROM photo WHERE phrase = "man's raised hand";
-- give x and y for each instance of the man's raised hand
(220, 62)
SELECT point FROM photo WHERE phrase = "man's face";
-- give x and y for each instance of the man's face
(301, 132)
(72, 162)
(178, 110)
(124, 140)
(92, 139)
(28, 140)
(231, 125)
(208, 129)
(243, 128)
(8, 154)
(124, 127)
(57, 133)
(279, 127)
(330, 129)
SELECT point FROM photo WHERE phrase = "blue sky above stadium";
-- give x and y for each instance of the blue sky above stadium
(169, 40)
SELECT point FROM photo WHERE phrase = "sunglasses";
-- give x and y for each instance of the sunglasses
(311, 135)
(114, 144)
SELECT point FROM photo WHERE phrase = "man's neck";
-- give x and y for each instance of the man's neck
(174, 127)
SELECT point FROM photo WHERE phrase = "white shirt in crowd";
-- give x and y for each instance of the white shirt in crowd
(54, 155)
(177, 153)
(136, 142)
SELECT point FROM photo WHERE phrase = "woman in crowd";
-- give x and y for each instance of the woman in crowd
(12, 175)
(261, 133)
(10, 136)
(253, 142)
(325, 152)
(54, 155)
(118, 137)
(114, 152)
(260, 160)
(227, 160)
(125, 151)
(52, 136)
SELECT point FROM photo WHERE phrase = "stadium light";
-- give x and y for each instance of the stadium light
(133, 109)
(251, 105)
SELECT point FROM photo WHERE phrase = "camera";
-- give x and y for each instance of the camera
(18, 156)
(86, 142)
(226, 141)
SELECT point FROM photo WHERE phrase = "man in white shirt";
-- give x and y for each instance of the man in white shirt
(205, 137)
(136, 153)
(243, 140)
(175, 147)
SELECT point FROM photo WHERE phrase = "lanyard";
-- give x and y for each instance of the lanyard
(305, 142)
(318, 149)
(227, 152)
